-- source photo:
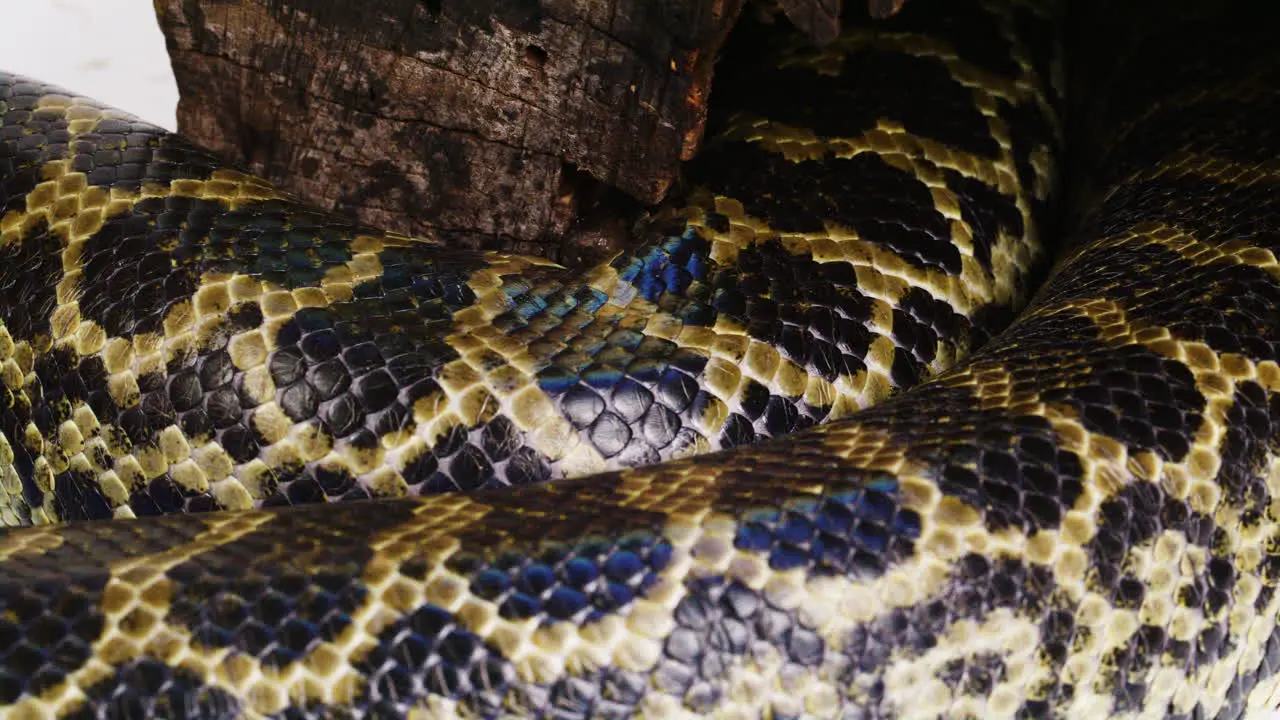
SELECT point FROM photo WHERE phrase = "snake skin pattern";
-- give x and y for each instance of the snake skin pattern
(1081, 520)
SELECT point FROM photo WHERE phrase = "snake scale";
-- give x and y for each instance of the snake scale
(1081, 519)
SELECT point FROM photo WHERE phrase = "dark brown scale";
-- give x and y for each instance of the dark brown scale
(737, 431)
(57, 375)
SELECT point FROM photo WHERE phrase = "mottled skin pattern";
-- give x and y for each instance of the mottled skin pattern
(181, 337)
(1079, 521)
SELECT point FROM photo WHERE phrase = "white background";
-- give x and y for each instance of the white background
(110, 50)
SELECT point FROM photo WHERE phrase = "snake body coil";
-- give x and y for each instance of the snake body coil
(1080, 520)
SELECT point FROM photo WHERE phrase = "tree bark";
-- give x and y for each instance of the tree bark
(486, 122)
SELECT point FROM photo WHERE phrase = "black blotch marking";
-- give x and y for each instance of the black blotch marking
(1252, 438)
(1142, 400)
(1016, 475)
(61, 381)
(126, 154)
(151, 688)
(883, 204)
(50, 614)
(205, 396)
(717, 623)
(78, 497)
(812, 312)
(119, 153)
(357, 368)
(1029, 130)
(973, 675)
(977, 587)
(974, 31)
(30, 270)
(1134, 516)
(29, 137)
(989, 320)
(873, 84)
(58, 385)
(277, 591)
(921, 324)
(43, 641)
(46, 402)
(637, 398)
(1040, 37)
(430, 653)
(138, 265)
(856, 528)
(986, 211)
(1231, 307)
(1008, 467)
(1128, 393)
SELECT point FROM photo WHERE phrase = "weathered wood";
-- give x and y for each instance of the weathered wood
(819, 18)
(476, 120)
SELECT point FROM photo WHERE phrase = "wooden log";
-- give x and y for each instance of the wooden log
(487, 122)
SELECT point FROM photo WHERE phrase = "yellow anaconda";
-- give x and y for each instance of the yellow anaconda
(1079, 520)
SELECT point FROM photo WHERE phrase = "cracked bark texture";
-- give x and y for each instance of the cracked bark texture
(478, 121)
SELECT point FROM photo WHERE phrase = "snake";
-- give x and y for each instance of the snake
(851, 431)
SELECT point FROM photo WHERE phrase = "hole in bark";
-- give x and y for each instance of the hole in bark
(535, 56)
(433, 6)
(597, 218)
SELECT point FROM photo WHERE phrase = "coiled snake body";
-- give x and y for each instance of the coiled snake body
(1079, 520)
